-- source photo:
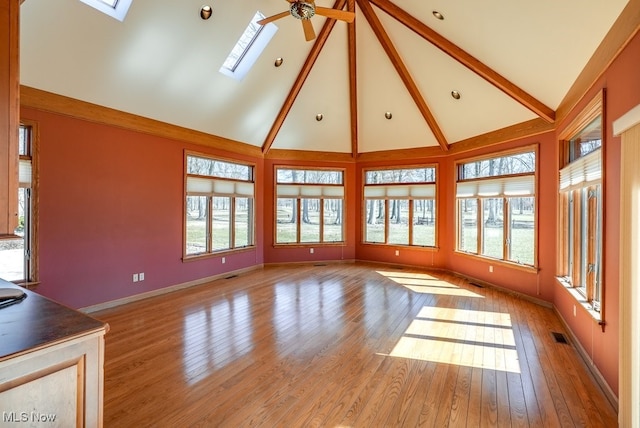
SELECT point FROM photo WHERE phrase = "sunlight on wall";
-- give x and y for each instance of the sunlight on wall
(424, 283)
(464, 337)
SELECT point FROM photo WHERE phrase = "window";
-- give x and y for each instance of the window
(219, 205)
(309, 206)
(400, 206)
(19, 256)
(114, 8)
(496, 207)
(581, 204)
(248, 48)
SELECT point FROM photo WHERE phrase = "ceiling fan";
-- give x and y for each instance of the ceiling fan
(304, 10)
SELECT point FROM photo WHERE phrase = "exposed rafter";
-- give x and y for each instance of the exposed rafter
(353, 81)
(300, 79)
(467, 60)
(402, 70)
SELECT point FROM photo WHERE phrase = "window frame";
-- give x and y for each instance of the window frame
(210, 196)
(575, 243)
(118, 11)
(31, 271)
(506, 207)
(410, 210)
(249, 54)
(321, 198)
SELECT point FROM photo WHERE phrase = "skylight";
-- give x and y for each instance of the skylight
(114, 8)
(248, 48)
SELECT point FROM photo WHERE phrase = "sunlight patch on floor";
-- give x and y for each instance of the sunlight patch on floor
(464, 337)
(427, 284)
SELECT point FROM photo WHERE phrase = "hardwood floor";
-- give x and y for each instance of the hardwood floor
(345, 345)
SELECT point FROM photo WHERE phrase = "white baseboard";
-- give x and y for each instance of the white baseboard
(165, 290)
(608, 392)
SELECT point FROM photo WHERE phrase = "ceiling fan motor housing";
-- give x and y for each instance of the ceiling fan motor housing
(302, 10)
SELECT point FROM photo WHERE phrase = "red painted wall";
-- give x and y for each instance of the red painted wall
(111, 205)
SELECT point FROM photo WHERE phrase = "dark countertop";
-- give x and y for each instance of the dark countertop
(36, 322)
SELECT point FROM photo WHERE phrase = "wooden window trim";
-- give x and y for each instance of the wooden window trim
(480, 207)
(232, 198)
(298, 200)
(594, 108)
(410, 245)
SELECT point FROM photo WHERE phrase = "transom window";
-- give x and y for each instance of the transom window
(400, 206)
(496, 207)
(309, 206)
(219, 205)
(581, 205)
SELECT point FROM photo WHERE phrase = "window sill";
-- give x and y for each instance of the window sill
(309, 244)
(401, 247)
(498, 262)
(222, 253)
(579, 297)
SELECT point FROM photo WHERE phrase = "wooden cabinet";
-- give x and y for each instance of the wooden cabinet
(51, 365)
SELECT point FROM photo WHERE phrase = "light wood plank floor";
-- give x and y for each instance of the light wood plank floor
(344, 345)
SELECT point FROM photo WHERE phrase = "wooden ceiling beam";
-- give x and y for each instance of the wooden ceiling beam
(301, 78)
(353, 82)
(402, 70)
(467, 60)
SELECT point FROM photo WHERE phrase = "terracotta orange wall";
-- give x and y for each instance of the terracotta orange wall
(286, 254)
(539, 285)
(622, 86)
(111, 205)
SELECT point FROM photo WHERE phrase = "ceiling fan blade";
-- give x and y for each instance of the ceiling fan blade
(273, 18)
(309, 33)
(342, 15)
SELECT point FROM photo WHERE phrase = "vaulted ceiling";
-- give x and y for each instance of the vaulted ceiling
(511, 61)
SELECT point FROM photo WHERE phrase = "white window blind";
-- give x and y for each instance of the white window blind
(521, 185)
(212, 186)
(309, 191)
(409, 191)
(582, 172)
(24, 173)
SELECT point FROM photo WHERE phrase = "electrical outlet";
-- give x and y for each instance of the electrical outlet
(135, 277)
(311, 250)
(574, 310)
(141, 276)
(397, 252)
(490, 268)
(224, 260)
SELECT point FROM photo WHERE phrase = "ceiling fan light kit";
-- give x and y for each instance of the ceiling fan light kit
(304, 10)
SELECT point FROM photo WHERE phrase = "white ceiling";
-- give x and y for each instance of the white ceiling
(162, 63)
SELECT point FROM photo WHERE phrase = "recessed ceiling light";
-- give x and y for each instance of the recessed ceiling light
(205, 12)
(278, 62)
(319, 117)
(388, 115)
(455, 94)
(438, 15)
